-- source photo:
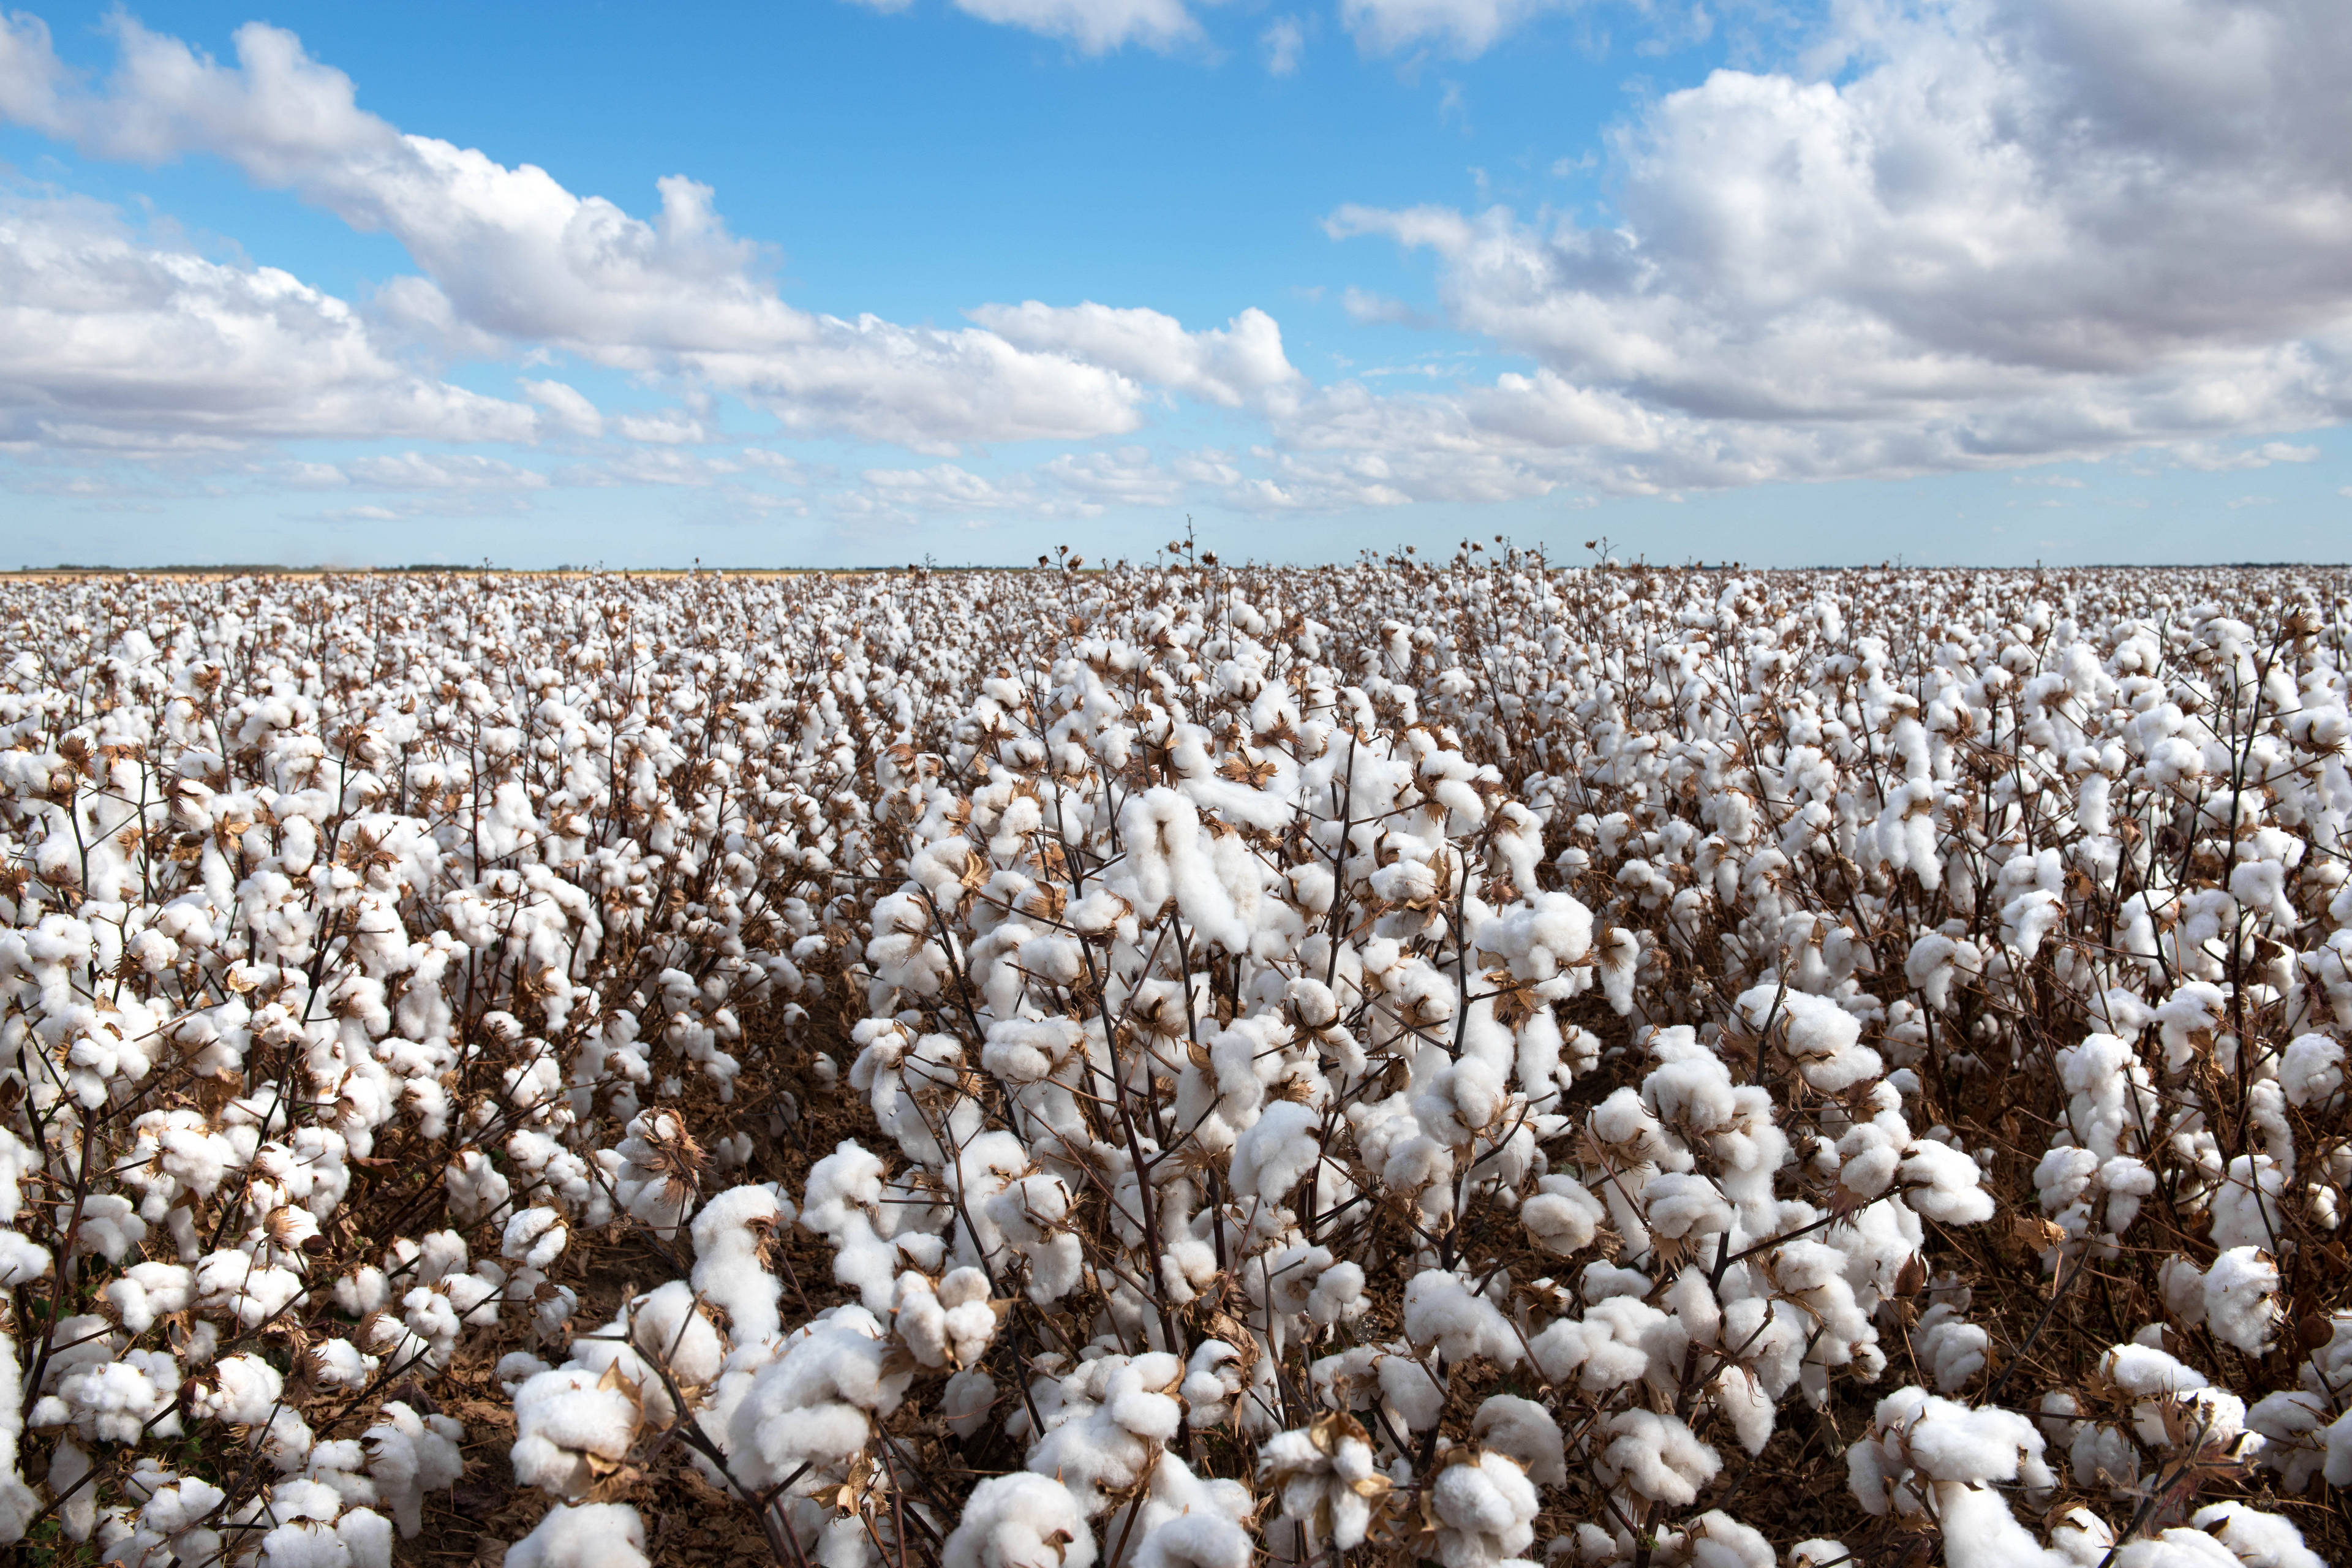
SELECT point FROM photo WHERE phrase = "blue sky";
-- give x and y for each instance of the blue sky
(840, 281)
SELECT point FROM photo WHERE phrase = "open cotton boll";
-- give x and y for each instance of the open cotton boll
(660, 1171)
(2245, 1205)
(22, 1260)
(1442, 1311)
(230, 1282)
(1941, 1184)
(1924, 1452)
(18, 1503)
(2241, 1298)
(949, 1325)
(570, 1424)
(2256, 1539)
(1485, 1510)
(1115, 1413)
(815, 1401)
(1949, 1349)
(966, 1401)
(2311, 1070)
(1194, 1540)
(1716, 1540)
(1655, 1456)
(410, 1455)
(732, 1237)
(108, 1227)
(1326, 1479)
(1020, 1520)
(1680, 1204)
(842, 1204)
(1527, 1432)
(1562, 1218)
(1033, 1215)
(584, 1535)
(1275, 1153)
(534, 1238)
(1821, 1552)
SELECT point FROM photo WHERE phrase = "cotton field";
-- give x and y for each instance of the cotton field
(1468, 1062)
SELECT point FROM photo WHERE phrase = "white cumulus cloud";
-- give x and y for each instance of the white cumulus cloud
(113, 342)
(1465, 27)
(2002, 231)
(516, 256)
(1237, 365)
(1095, 26)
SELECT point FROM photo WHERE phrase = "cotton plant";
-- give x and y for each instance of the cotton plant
(1422, 1055)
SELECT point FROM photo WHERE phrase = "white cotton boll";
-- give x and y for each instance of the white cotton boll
(535, 1238)
(1527, 1432)
(16, 1161)
(22, 1260)
(1338, 1295)
(146, 1291)
(1818, 1035)
(842, 1202)
(1020, 1520)
(669, 1328)
(114, 1399)
(1193, 1540)
(243, 1389)
(2257, 1539)
(1681, 1206)
(1215, 1375)
(1021, 1051)
(2338, 1468)
(1949, 1349)
(584, 1535)
(477, 1189)
(2311, 1070)
(947, 1326)
(430, 1315)
(731, 1235)
(109, 1226)
(303, 1545)
(1486, 1511)
(2245, 1205)
(1821, 1552)
(2291, 1424)
(303, 1499)
(815, 1401)
(1655, 1456)
(2241, 1298)
(966, 1401)
(1716, 1540)
(568, 1423)
(1032, 1214)
(1740, 1397)
(339, 1363)
(1562, 1217)
(230, 1282)
(1440, 1309)
(408, 1456)
(1411, 1390)
(366, 1536)
(1941, 1184)
(364, 1292)
(1602, 1281)
(515, 1368)
(1868, 1156)
(660, 1167)
(1275, 1153)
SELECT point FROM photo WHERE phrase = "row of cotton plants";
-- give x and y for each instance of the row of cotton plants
(1466, 1061)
